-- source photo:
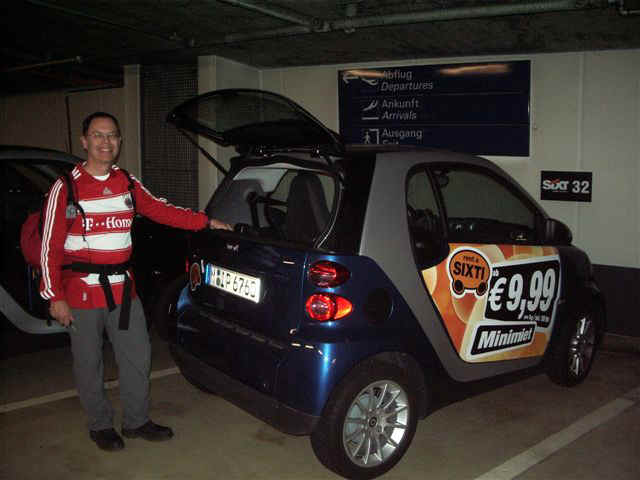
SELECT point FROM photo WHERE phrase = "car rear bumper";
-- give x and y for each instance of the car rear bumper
(265, 407)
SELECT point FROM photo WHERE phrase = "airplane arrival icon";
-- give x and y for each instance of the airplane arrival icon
(373, 108)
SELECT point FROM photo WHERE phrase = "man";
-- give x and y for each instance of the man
(86, 278)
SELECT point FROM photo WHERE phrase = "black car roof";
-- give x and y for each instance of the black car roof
(32, 153)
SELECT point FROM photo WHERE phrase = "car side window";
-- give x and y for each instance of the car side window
(424, 219)
(481, 208)
(25, 187)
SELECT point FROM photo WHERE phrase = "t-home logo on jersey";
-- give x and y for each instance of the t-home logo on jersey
(110, 223)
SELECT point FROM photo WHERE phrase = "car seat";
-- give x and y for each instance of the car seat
(307, 212)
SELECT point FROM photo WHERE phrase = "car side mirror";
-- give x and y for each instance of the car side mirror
(557, 232)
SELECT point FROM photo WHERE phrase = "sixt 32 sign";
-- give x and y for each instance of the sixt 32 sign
(566, 186)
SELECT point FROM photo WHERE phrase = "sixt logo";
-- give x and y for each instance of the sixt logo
(555, 185)
(468, 270)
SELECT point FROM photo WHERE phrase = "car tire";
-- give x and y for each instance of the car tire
(163, 309)
(368, 422)
(573, 351)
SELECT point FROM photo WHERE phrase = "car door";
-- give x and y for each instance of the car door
(26, 175)
(24, 183)
(497, 288)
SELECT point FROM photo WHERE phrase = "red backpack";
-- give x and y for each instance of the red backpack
(31, 231)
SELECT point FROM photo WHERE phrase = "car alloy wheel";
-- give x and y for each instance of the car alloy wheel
(376, 423)
(368, 422)
(573, 348)
(582, 347)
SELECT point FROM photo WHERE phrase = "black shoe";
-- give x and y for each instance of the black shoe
(107, 439)
(149, 431)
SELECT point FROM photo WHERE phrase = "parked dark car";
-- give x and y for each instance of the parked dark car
(26, 175)
(354, 273)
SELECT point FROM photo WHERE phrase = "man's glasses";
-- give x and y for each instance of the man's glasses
(111, 136)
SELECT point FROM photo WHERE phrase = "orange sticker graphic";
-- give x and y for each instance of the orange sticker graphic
(468, 270)
(497, 302)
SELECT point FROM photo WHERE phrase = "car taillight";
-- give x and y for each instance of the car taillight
(328, 274)
(325, 307)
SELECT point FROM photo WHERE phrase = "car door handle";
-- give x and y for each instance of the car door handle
(518, 236)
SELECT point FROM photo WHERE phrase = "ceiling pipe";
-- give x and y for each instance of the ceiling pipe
(78, 13)
(459, 13)
(350, 24)
(76, 59)
(273, 11)
(273, 33)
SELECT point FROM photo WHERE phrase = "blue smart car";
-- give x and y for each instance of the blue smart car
(355, 273)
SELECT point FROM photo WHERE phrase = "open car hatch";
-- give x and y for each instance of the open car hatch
(255, 121)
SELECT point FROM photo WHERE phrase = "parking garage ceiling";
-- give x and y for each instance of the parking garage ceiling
(70, 44)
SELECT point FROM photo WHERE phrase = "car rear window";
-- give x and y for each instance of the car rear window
(279, 202)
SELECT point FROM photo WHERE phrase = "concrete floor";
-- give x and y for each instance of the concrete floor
(529, 429)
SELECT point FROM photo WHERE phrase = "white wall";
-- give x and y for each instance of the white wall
(40, 120)
(36, 120)
(217, 73)
(585, 114)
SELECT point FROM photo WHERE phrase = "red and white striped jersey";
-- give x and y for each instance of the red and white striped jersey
(103, 238)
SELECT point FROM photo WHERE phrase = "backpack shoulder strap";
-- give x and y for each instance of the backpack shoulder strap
(71, 194)
(131, 187)
(71, 199)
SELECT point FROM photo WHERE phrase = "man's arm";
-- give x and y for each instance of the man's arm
(161, 211)
(61, 311)
(215, 224)
(54, 232)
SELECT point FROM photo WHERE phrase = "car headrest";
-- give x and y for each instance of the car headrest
(307, 212)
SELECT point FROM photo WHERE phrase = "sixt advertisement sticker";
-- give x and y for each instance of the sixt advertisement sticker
(497, 302)
(524, 290)
(493, 338)
(468, 270)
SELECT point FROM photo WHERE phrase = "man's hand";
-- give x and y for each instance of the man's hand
(61, 312)
(217, 224)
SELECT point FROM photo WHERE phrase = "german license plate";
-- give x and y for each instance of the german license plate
(236, 283)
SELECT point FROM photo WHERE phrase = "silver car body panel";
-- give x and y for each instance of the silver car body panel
(386, 239)
(23, 320)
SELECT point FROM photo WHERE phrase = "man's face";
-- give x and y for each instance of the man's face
(102, 141)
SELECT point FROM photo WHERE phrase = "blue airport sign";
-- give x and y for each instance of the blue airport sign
(479, 108)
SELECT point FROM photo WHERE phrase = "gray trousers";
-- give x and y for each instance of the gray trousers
(133, 355)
